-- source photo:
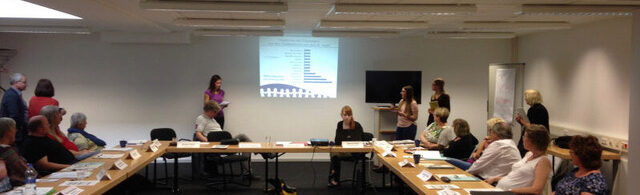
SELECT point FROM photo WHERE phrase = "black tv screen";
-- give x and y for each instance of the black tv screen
(385, 86)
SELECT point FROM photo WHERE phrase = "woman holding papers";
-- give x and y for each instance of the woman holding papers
(214, 92)
(348, 130)
(439, 134)
(587, 178)
(439, 98)
(537, 114)
(529, 175)
(407, 114)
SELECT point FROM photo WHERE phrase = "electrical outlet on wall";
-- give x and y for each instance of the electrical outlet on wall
(604, 141)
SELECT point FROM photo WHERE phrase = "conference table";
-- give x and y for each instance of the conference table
(407, 174)
(206, 147)
(117, 176)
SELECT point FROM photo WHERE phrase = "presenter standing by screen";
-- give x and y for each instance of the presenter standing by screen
(407, 114)
(215, 93)
(440, 96)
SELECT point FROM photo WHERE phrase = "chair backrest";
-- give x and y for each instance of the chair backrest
(366, 136)
(216, 136)
(163, 134)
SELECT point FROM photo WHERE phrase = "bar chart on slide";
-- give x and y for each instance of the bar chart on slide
(298, 67)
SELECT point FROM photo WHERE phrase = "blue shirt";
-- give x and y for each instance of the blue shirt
(593, 183)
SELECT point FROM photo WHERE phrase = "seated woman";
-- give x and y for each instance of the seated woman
(80, 137)
(464, 143)
(485, 142)
(348, 130)
(53, 115)
(438, 135)
(587, 178)
(529, 175)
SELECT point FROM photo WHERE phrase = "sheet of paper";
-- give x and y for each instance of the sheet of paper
(83, 166)
(224, 103)
(448, 192)
(430, 155)
(249, 145)
(80, 183)
(108, 156)
(425, 175)
(282, 143)
(483, 190)
(294, 145)
(441, 186)
(118, 149)
(71, 190)
(70, 174)
(188, 144)
(459, 177)
(39, 190)
(352, 144)
(137, 141)
(46, 180)
(220, 146)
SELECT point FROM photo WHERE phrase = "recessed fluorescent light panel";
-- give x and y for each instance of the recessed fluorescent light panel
(23, 9)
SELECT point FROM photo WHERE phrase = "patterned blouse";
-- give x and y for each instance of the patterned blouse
(593, 183)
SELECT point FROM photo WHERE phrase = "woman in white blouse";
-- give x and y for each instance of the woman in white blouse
(529, 175)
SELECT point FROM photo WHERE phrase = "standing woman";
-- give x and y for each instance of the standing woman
(407, 114)
(215, 93)
(537, 114)
(439, 96)
(44, 93)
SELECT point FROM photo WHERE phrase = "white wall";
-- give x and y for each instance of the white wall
(583, 75)
(634, 135)
(128, 89)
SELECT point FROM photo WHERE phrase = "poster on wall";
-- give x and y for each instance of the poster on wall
(504, 94)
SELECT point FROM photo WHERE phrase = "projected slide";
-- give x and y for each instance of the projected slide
(298, 67)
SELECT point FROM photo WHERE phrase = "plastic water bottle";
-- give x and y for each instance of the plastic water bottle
(30, 180)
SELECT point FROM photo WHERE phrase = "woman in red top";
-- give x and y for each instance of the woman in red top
(52, 113)
(44, 93)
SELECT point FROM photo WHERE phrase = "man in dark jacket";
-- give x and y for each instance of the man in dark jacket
(13, 106)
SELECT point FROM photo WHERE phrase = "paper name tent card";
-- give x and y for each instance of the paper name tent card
(352, 144)
(294, 145)
(389, 154)
(187, 144)
(119, 165)
(249, 145)
(406, 163)
(425, 175)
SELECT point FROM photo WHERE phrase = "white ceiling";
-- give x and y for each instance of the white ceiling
(357, 17)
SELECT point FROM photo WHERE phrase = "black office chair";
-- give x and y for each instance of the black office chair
(165, 134)
(356, 159)
(212, 161)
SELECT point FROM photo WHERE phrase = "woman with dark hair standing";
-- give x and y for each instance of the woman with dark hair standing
(439, 96)
(214, 92)
(44, 93)
(407, 114)
(587, 178)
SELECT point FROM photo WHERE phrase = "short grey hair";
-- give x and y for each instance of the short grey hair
(6, 124)
(77, 118)
(503, 130)
(15, 77)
